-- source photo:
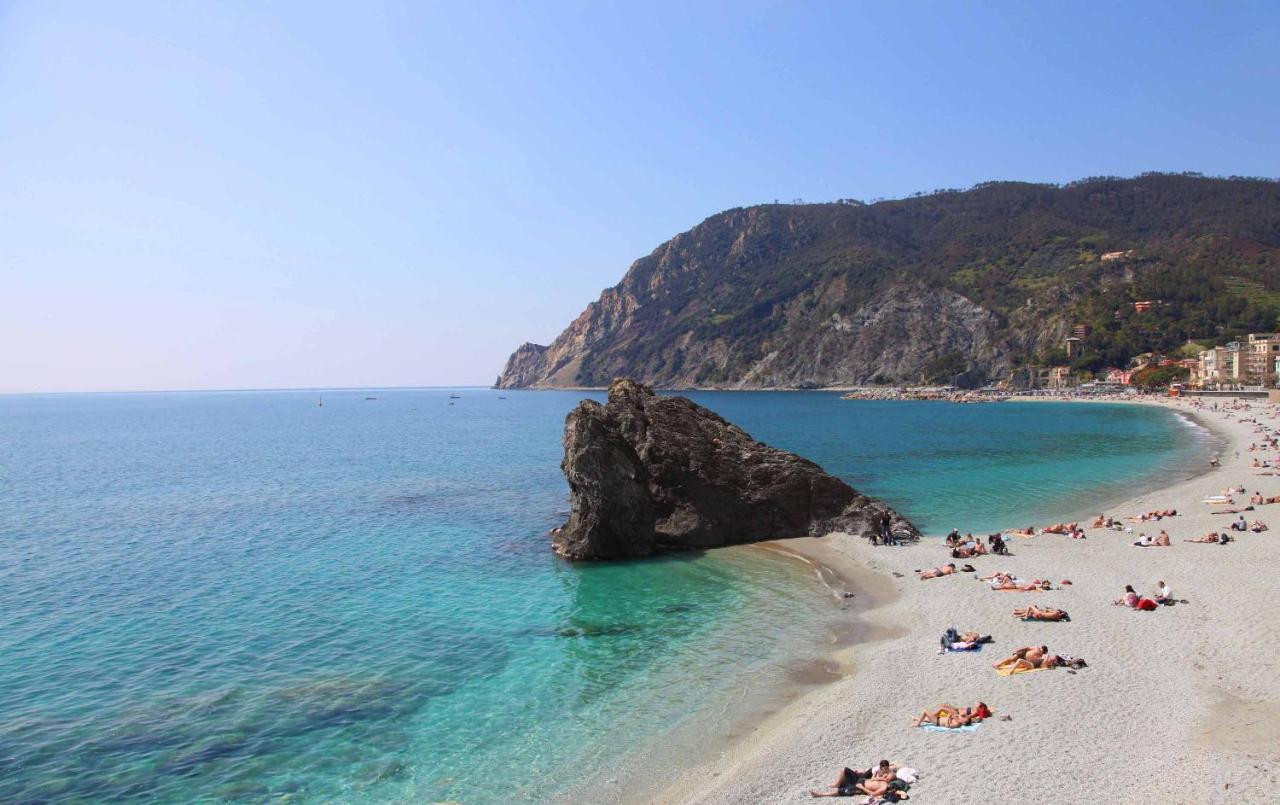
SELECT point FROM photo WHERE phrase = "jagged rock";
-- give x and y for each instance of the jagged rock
(524, 367)
(649, 474)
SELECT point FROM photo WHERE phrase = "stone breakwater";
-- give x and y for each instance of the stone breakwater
(925, 393)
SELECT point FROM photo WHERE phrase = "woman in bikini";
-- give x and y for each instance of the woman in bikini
(1026, 657)
(951, 717)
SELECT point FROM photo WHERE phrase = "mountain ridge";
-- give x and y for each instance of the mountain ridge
(954, 285)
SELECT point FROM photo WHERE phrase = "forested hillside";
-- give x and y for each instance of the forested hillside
(970, 283)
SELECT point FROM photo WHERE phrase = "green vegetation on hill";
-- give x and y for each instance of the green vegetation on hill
(920, 289)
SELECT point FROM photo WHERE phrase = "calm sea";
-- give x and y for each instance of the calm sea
(247, 596)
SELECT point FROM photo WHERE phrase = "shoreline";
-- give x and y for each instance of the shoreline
(812, 669)
(767, 766)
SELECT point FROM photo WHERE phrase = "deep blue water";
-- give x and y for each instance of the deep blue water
(237, 596)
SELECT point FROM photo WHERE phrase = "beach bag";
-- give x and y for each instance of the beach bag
(1147, 605)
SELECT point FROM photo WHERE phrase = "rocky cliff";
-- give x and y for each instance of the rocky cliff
(649, 474)
(944, 287)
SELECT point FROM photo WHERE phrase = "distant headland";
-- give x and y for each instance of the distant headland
(1005, 282)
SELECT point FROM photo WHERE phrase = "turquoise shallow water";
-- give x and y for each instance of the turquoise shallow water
(245, 596)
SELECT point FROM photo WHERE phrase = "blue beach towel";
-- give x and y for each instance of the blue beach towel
(936, 728)
(960, 650)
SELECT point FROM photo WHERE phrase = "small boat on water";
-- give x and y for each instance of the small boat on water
(371, 398)
(455, 396)
(320, 402)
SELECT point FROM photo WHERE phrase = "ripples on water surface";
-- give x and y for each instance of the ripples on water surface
(245, 595)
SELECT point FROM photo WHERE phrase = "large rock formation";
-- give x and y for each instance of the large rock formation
(649, 474)
(952, 287)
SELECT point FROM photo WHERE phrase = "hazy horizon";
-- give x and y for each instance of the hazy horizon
(237, 197)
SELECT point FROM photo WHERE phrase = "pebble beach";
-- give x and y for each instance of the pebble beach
(1177, 705)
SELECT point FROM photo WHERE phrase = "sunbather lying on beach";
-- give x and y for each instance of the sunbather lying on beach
(968, 549)
(1013, 585)
(1029, 531)
(1035, 613)
(1154, 515)
(1159, 541)
(1210, 537)
(950, 716)
(933, 573)
(1257, 526)
(1025, 659)
(1060, 528)
(851, 783)
(968, 641)
(846, 785)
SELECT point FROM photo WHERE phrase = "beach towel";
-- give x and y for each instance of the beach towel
(936, 728)
(967, 647)
(1009, 670)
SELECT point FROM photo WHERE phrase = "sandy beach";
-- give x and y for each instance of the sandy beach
(1177, 705)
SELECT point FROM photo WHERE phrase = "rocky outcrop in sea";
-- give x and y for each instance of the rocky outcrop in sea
(649, 474)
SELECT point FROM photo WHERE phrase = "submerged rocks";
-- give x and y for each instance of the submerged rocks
(649, 474)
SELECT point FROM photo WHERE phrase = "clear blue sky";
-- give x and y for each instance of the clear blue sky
(201, 195)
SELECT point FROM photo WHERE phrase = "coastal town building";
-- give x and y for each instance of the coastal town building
(1260, 351)
(1060, 377)
(1234, 364)
(1251, 362)
(1192, 365)
(1074, 346)
(1146, 359)
(1041, 377)
(1121, 376)
(1212, 362)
